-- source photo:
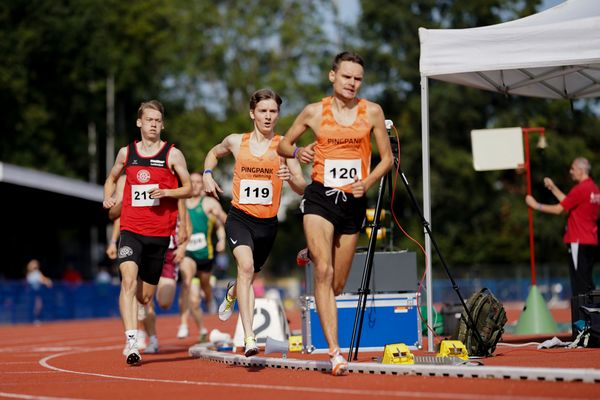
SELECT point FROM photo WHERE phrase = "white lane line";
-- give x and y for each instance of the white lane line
(360, 392)
(29, 396)
(28, 372)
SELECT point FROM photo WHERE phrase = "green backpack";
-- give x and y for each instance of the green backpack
(489, 317)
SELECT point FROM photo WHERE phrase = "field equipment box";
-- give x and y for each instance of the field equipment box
(588, 299)
(388, 318)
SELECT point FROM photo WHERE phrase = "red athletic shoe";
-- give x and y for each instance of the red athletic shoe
(302, 258)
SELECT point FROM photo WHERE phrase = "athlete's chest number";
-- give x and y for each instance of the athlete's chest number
(197, 242)
(254, 191)
(341, 172)
(140, 195)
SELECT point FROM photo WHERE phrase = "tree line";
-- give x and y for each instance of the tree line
(73, 72)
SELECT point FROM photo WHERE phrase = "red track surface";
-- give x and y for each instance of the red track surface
(83, 360)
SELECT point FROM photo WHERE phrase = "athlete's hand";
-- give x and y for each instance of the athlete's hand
(210, 186)
(179, 254)
(358, 188)
(306, 155)
(109, 202)
(158, 193)
(284, 172)
(111, 251)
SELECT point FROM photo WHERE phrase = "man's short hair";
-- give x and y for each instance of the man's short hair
(346, 56)
(584, 164)
(152, 104)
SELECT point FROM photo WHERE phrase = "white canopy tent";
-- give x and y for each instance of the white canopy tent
(554, 54)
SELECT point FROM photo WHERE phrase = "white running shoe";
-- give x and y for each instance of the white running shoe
(303, 257)
(152, 347)
(339, 365)
(250, 347)
(133, 357)
(140, 342)
(226, 307)
(182, 332)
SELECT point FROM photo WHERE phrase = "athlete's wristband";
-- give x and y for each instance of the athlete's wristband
(296, 151)
(540, 206)
(207, 171)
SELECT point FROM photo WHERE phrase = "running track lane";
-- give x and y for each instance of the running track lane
(82, 360)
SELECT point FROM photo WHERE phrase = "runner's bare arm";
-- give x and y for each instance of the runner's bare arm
(111, 180)
(297, 181)
(229, 145)
(307, 119)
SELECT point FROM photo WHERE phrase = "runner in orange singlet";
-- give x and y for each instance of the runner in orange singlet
(334, 203)
(251, 224)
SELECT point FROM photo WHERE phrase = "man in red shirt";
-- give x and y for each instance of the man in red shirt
(581, 236)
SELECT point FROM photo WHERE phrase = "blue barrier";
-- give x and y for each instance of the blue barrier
(100, 300)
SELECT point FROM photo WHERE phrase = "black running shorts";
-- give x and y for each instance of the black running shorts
(343, 210)
(202, 264)
(256, 233)
(148, 252)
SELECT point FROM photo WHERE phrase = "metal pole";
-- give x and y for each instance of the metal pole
(426, 201)
(526, 132)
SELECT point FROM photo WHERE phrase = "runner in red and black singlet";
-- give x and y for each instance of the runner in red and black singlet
(149, 213)
(251, 224)
(334, 203)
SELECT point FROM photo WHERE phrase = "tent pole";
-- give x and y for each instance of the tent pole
(426, 202)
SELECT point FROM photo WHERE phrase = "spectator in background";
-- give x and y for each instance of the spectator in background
(71, 275)
(103, 276)
(36, 279)
(581, 235)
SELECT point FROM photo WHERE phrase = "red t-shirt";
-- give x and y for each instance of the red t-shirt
(582, 203)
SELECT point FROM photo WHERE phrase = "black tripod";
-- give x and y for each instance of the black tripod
(364, 290)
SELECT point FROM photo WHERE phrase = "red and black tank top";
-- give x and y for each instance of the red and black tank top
(141, 214)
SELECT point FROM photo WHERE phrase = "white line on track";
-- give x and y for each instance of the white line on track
(285, 388)
(28, 396)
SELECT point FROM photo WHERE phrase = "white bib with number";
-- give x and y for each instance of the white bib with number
(255, 191)
(140, 195)
(197, 242)
(341, 172)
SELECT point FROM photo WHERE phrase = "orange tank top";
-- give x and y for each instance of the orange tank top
(342, 152)
(256, 187)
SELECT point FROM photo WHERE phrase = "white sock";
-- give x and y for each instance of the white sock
(131, 335)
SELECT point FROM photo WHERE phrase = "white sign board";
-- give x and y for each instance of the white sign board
(269, 320)
(495, 149)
